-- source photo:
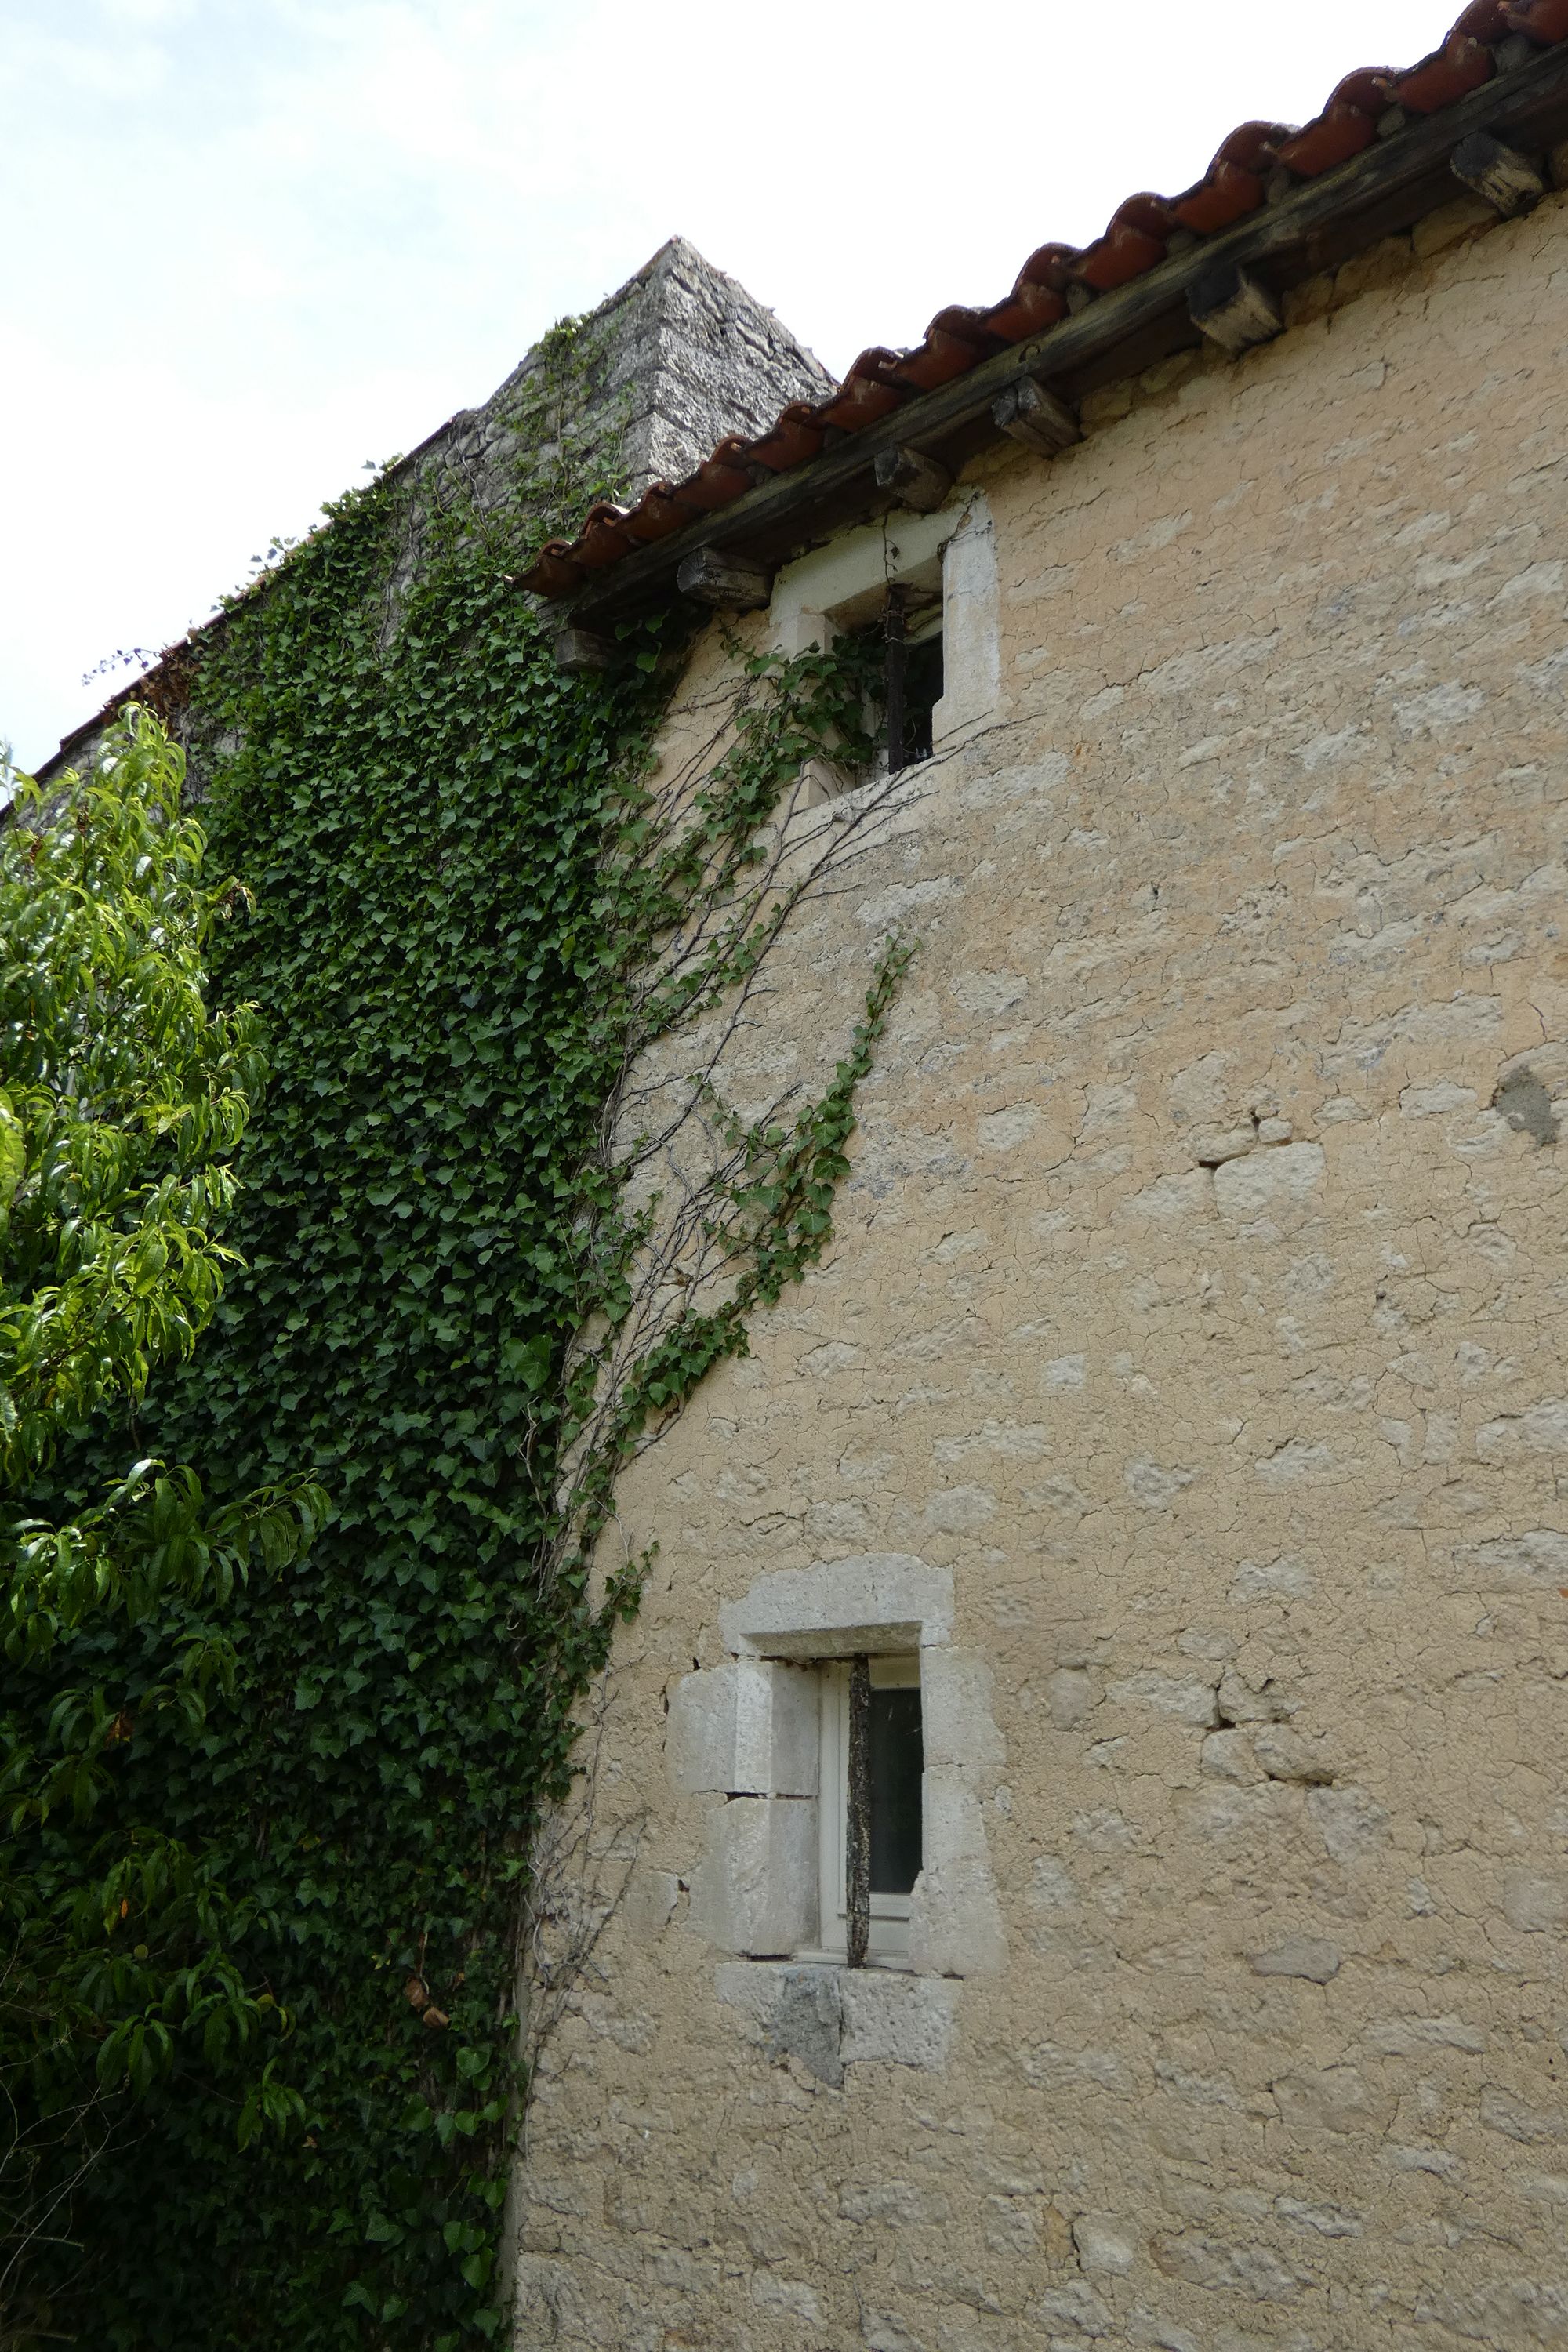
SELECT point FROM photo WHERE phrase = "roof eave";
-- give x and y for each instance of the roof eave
(1315, 227)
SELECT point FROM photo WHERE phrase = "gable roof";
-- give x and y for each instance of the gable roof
(1373, 160)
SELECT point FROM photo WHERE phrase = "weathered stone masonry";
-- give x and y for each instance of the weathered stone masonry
(1195, 1319)
(673, 359)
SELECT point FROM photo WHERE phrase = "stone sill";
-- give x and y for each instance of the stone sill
(827, 2017)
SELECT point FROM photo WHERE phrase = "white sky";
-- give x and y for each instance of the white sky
(251, 244)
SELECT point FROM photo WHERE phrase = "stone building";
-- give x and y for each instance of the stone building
(1146, 1528)
(1121, 1601)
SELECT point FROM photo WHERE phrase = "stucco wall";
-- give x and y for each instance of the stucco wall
(1199, 1304)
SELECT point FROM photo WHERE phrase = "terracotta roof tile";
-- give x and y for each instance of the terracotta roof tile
(1346, 125)
(719, 479)
(1136, 239)
(1460, 66)
(658, 513)
(1544, 20)
(793, 441)
(955, 339)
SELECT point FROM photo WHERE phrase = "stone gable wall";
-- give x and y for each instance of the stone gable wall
(674, 360)
(1197, 1307)
(677, 357)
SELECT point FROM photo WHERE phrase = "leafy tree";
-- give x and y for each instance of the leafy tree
(123, 1100)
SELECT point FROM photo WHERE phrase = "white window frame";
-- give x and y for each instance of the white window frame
(890, 1937)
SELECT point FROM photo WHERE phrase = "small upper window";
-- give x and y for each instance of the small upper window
(872, 1808)
(912, 628)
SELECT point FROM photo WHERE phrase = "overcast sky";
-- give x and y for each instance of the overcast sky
(250, 244)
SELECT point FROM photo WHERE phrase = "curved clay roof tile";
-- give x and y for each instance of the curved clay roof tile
(657, 513)
(860, 402)
(1027, 310)
(865, 393)
(1544, 20)
(1484, 20)
(875, 365)
(554, 573)
(955, 339)
(1228, 194)
(603, 538)
(796, 437)
(1450, 74)
(1367, 89)
(720, 480)
(1147, 212)
(1049, 265)
(1134, 242)
(1256, 145)
(1347, 125)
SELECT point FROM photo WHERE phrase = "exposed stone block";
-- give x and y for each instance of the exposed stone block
(1269, 1181)
(793, 2299)
(1104, 2246)
(1334, 2098)
(881, 1602)
(745, 1728)
(1241, 1701)
(1070, 2313)
(897, 2021)
(1537, 1902)
(1189, 1698)
(1228, 1756)
(1514, 2117)
(972, 631)
(651, 1899)
(1072, 1694)
(955, 1920)
(1309, 1956)
(957, 1693)
(954, 1827)
(1288, 1755)
(1352, 1822)
(755, 1890)
(830, 2018)
(881, 2332)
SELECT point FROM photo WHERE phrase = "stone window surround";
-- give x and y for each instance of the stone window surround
(837, 586)
(746, 1735)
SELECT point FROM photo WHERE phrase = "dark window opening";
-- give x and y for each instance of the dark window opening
(912, 627)
(924, 690)
(897, 1761)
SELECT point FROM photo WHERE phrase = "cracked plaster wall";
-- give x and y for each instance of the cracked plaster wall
(1198, 1301)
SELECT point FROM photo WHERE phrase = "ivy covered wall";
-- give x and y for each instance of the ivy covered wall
(471, 915)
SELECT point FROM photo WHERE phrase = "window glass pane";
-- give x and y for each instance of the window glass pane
(897, 1761)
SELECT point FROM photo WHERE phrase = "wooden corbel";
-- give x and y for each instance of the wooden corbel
(916, 480)
(1027, 412)
(578, 651)
(729, 583)
(1508, 180)
(1233, 310)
